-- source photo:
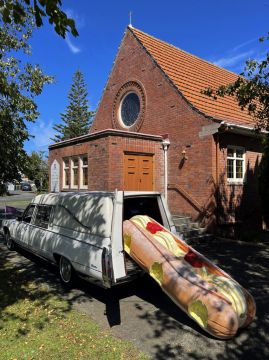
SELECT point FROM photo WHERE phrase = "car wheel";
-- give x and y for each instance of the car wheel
(67, 272)
(9, 242)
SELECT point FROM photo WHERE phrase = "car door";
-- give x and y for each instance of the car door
(23, 227)
(41, 237)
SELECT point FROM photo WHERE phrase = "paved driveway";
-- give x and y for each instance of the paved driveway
(141, 313)
(17, 195)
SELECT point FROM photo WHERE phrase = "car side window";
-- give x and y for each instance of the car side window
(28, 214)
(43, 216)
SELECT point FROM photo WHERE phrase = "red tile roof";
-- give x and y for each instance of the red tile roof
(191, 74)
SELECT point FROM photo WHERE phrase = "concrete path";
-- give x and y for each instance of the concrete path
(17, 195)
(141, 313)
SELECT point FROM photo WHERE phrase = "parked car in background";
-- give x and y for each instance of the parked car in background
(26, 187)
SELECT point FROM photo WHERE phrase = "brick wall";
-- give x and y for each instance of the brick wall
(120, 145)
(240, 203)
(194, 189)
(66, 152)
(106, 159)
(165, 112)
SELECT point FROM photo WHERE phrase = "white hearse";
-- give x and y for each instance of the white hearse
(82, 232)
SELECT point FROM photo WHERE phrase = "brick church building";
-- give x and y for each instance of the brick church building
(154, 130)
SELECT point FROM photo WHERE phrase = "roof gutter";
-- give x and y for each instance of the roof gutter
(105, 133)
(224, 126)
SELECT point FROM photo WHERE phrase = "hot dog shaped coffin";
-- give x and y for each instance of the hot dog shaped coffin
(206, 293)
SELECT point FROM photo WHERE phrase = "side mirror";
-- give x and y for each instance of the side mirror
(19, 218)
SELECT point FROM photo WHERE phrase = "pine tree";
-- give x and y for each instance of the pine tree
(77, 117)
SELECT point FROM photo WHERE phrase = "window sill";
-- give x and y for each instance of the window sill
(236, 182)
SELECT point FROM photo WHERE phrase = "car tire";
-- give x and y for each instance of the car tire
(67, 272)
(9, 242)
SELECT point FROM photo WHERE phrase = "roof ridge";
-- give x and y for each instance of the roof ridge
(189, 74)
(132, 28)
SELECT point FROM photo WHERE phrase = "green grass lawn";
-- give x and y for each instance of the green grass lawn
(36, 323)
(21, 204)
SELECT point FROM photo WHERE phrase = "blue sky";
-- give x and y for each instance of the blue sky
(224, 32)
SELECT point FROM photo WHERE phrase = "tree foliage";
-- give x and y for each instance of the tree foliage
(17, 11)
(251, 90)
(264, 179)
(37, 168)
(20, 82)
(77, 117)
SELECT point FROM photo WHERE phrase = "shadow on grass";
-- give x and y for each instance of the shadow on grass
(33, 289)
(174, 335)
(17, 280)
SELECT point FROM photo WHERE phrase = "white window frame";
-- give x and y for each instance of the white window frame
(81, 167)
(235, 180)
(73, 186)
(64, 175)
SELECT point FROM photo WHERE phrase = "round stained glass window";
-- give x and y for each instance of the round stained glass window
(130, 109)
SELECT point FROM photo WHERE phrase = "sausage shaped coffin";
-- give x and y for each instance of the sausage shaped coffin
(206, 293)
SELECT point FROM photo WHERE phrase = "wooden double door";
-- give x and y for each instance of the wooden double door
(138, 172)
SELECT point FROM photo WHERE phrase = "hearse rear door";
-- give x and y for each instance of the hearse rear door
(117, 249)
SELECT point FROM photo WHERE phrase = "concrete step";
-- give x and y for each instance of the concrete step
(182, 228)
(195, 225)
(181, 219)
(188, 229)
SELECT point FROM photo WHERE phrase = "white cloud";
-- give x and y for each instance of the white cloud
(233, 60)
(80, 23)
(71, 46)
(42, 133)
(70, 13)
(244, 44)
(79, 20)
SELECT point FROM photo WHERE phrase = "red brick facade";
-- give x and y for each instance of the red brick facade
(240, 203)
(197, 183)
(165, 113)
(105, 152)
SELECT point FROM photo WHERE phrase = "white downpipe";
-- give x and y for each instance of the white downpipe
(166, 144)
